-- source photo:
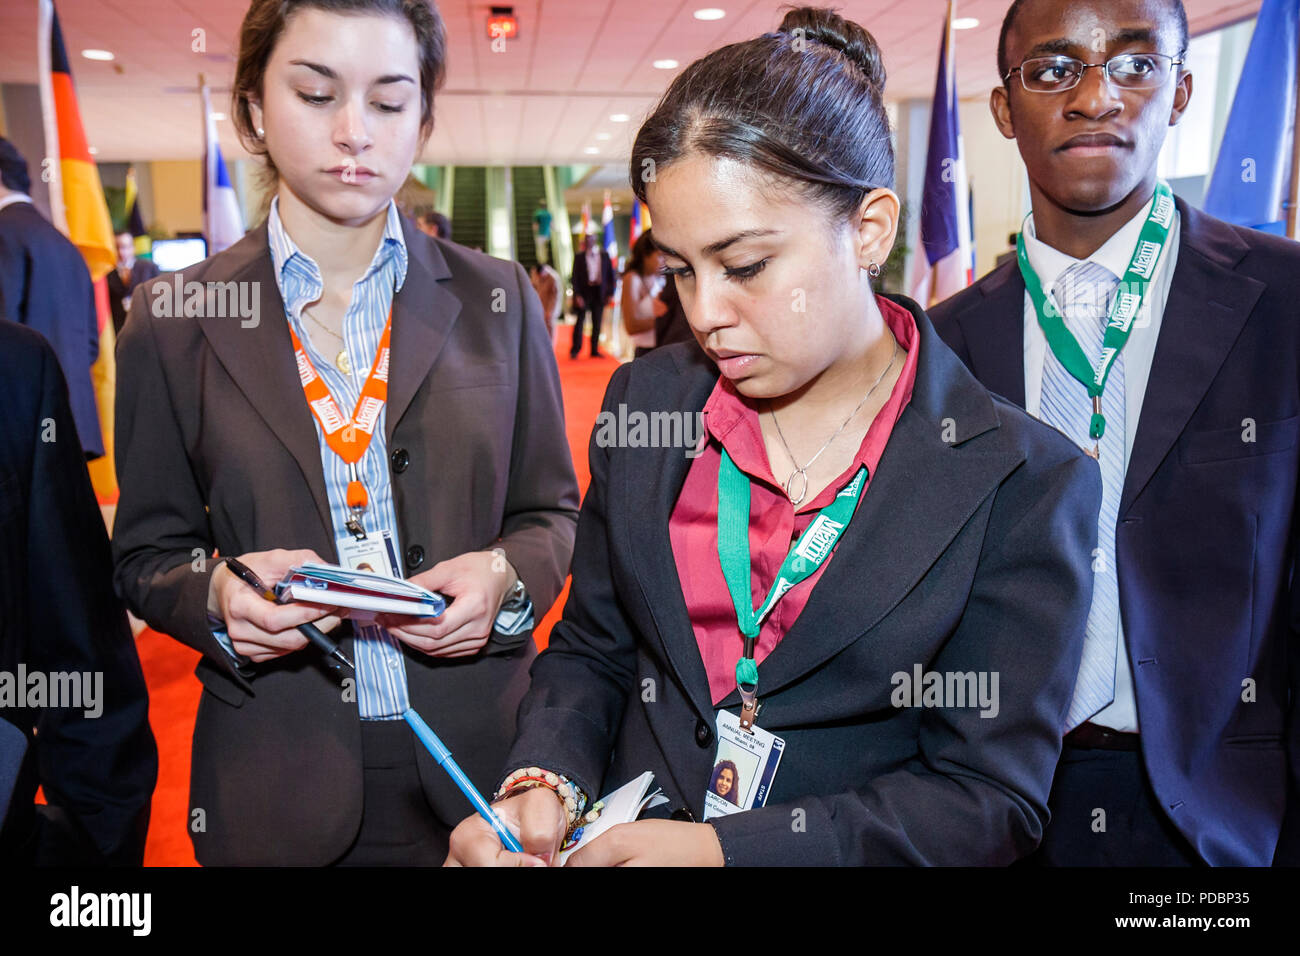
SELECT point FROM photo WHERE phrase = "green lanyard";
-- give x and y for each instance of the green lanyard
(1132, 290)
(808, 554)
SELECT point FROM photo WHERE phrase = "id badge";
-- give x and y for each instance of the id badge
(743, 768)
(375, 553)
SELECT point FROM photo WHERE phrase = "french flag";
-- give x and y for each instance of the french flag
(945, 264)
(223, 225)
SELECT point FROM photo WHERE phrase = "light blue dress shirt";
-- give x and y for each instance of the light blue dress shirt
(380, 667)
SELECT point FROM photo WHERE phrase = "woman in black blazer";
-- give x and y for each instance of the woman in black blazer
(917, 681)
(466, 468)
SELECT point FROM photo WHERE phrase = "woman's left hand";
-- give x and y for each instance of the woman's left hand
(479, 581)
(653, 843)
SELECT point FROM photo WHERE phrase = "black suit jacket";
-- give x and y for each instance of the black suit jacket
(582, 282)
(58, 614)
(142, 270)
(44, 284)
(217, 450)
(970, 552)
(1206, 533)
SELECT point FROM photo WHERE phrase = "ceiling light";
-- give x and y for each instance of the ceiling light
(710, 13)
(965, 23)
(97, 54)
(665, 64)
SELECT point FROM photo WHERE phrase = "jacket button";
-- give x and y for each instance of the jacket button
(703, 733)
(399, 459)
(414, 557)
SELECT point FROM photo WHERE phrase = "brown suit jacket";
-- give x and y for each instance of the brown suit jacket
(217, 452)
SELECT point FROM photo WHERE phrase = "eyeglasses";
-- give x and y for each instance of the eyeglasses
(1129, 71)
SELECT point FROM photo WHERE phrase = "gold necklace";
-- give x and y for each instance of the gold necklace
(341, 361)
(802, 472)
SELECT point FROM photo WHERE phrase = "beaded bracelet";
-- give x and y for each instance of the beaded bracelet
(527, 778)
(575, 801)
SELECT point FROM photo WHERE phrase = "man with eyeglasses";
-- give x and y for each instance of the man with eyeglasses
(1166, 343)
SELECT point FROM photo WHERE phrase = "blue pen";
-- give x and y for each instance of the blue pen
(443, 756)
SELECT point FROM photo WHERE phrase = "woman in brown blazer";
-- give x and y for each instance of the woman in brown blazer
(466, 471)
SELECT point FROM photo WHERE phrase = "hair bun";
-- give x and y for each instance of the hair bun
(830, 29)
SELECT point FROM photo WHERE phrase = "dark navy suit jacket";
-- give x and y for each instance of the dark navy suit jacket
(58, 614)
(1206, 533)
(45, 285)
(969, 552)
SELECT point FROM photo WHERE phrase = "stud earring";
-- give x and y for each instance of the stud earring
(261, 133)
(873, 270)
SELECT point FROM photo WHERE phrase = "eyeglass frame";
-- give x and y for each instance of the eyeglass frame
(1104, 66)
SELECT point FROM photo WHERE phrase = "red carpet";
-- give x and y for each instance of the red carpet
(169, 665)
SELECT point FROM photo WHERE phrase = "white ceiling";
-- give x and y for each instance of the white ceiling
(544, 100)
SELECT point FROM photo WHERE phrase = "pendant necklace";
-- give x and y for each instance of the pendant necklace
(802, 472)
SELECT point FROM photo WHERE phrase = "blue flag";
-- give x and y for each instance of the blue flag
(1252, 175)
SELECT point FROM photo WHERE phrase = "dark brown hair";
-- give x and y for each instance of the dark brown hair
(641, 250)
(265, 22)
(804, 104)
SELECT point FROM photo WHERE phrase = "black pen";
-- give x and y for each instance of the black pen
(309, 631)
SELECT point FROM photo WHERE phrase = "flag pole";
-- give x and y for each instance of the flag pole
(207, 160)
(1294, 196)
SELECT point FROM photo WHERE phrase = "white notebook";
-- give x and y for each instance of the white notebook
(622, 806)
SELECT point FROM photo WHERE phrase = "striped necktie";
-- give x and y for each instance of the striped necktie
(1084, 293)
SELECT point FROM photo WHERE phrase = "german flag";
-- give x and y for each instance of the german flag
(82, 210)
(79, 209)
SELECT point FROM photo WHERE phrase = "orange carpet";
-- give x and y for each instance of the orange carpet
(169, 665)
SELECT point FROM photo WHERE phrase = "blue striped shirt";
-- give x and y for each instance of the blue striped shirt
(381, 669)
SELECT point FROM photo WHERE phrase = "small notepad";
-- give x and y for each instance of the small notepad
(622, 806)
(335, 586)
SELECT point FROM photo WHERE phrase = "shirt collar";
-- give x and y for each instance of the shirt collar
(1048, 262)
(285, 251)
(13, 198)
(733, 421)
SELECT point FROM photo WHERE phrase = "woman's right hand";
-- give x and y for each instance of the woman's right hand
(537, 815)
(259, 629)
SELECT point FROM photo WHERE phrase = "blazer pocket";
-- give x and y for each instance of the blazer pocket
(1255, 741)
(1223, 444)
(219, 685)
(499, 643)
(469, 376)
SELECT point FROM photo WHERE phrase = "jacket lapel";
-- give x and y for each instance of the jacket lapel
(424, 312)
(996, 339)
(1208, 305)
(919, 474)
(657, 486)
(260, 361)
(924, 491)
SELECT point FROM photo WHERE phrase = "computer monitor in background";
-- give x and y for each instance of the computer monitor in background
(172, 254)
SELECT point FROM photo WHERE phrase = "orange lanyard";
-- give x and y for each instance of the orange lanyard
(348, 437)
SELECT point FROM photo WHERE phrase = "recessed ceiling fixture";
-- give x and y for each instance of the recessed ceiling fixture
(97, 54)
(665, 64)
(710, 13)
